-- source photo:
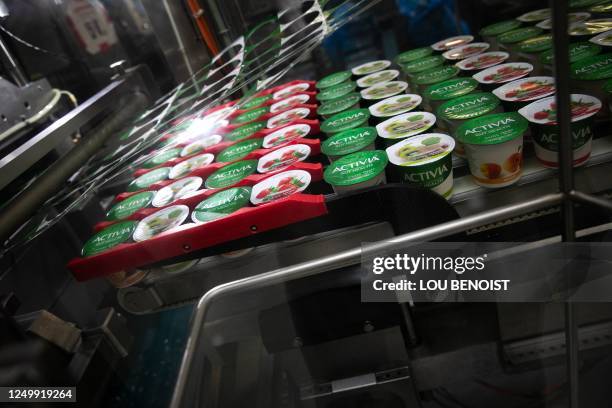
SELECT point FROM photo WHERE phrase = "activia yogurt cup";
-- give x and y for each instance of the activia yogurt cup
(383, 91)
(577, 51)
(572, 18)
(282, 158)
(437, 94)
(345, 121)
(287, 117)
(285, 135)
(221, 204)
(255, 102)
(109, 237)
(349, 141)
(187, 166)
(535, 16)
(490, 32)
(333, 79)
(529, 50)
(250, 116)
(245, 131)
(413, 55)
(336, 91)
(279, 186)
(290, 90)
(493, 77)
(459, 110)
(370, 67)
(356, 171)
(603, 39)
(425, 161)
(508, 41)
(574, 4)
(494, 148)
(452, 42)
(160, 221)
(149, 178)
(466, 51)
(175, 191)
(162, 157)
(200, 145)
(231, 174)
(434, 76)
(589, 75)
(239, 150)
(130, 205)
(377, 78)
(284, 104)
(404, 126)
(395, 105)
(334, 106)
(586, 29)
(543, 119)
(422, 64)
(517, 94)
(482, 61)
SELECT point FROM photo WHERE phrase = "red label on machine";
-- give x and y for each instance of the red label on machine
(91, 25)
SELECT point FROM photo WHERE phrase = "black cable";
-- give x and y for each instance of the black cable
(30, 45)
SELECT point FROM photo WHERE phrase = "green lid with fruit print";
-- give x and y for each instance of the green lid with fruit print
(450, 89)
(149, 178)
(346, 120)
(577, 51)
(518, 35)
(337, 105)
(469, 106)
(413, 55)
(336, 91)
(130, 205)
(349, 141)
(231, 174)
(593, 68)
(333, 79)
(536, 44)
(584, 3)
(255, 102)
(239, 150)
(423, 64)
(356, 168)
(500, 28)
(435, 75)
(245, 131)
(221, 204)
(161, 158)
(109, 237)
(250, 116)
(492, 129)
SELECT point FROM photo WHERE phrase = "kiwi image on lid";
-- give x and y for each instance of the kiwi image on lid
(160, 221)
(370, 67)
(187, 166)
(176, 190)
(385, 90)
(404, 126)
(377, 78)
(395, 105)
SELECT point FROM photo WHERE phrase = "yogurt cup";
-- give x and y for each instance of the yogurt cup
(244, 132)
(490, 32)
(494, 148)
(109, 237)
(239, 150)
(284, 104)
(395, 105)
(336, 91)
(529, 50)
(412, 68)
(495, 76)
(280, 186)
(357, 171)
(466, 51)
(577, 51)
(586, 29)
(200, 145)
(130, 205)
(231, 174)
(161, 158)
(346, 120)
(517, 94)
(437, 94)
(333, 79)
(177, 190)
(334, 106)
(282, 158)
(370, 67)
(482, 61)
(603, 39)
(572, 18)
(160, 221)
(349, 141)
(255, 102)
(221, 204)
(250, 116)
(404, 126)
(574, 4)
(434, 76)
(187, 166)
(290, 90)
(413, 55)
(535, 16)
(590, 75)
(452, 42)
(608, 90)
(285, 135)
(508, 41)
(287, 117)
(149, 178)
(459, 110)
(542, 117)
(379, 77)
(383, 91)
(601, 9)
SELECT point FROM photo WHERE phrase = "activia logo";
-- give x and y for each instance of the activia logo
(451, 87)
(427, 175)
(355, 164)
(490, 126)
(232, 172)
(224, 201)
(466, 104)
(578, 135)
(112, 235)
(349, 139)
(130, 204)
(595, 66)
(345, 119)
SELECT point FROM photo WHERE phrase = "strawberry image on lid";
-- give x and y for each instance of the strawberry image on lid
(285, 135)
(282, 158)
(280, 186)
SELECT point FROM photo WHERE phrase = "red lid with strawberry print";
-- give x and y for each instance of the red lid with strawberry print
(483, 61)
(503, 73)
(289, 90)
(282, 158)
(286, 103)
(452, 42)
(466, 51)
(280, 186)
(285, 135)
(526, 89)
(544, 111)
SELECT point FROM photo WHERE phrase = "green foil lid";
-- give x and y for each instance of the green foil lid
(346, 120)
(435, 75)
(450, 89)
(162, 157)
(239, 150)
(349, 141)
(536, 44)
(500, 28)
(109, 237)
(221, 204)
(423, 64)
(245, 131)
(231, 174)
(251, 115)
(413, 55)
(255, 102)
(492, 129)
(130, 205)
(149, 178)
(584, 3)
(577, 51)
(356, 168)
(333, 79)
(338, 105)
(469, 106)
(518, 35)
(593, 68)
(336, 91)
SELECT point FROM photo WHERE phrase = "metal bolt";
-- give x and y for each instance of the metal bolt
(368, 326)
(187, 247)
(253, 227)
